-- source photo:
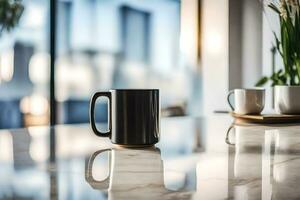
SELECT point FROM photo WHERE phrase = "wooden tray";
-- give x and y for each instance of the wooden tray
(266, 118)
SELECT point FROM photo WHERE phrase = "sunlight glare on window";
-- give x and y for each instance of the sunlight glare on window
(6, 65)
(39, 68)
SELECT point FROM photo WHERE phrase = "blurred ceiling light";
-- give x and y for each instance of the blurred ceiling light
(39, 68)
(34, 104)
(38, 149)
(25, 105)
(6, 65)
(38, 131)
(39, 105)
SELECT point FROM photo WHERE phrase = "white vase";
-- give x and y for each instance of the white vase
(287, 99)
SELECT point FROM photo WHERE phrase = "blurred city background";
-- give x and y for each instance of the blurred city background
(194, 51)
(100, 44)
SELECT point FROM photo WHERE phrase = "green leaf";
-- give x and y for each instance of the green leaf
(262, 81)
(10, 13)
(277, 44)
(273, 7)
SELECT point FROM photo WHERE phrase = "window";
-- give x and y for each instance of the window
(24, 68)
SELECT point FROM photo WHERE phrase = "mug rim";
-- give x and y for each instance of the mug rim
(133, 89)
(251, 89)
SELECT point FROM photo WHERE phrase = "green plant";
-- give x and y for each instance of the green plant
(287, 44)
(10, 14)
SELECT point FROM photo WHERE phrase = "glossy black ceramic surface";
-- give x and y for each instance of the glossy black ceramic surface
(134, 116)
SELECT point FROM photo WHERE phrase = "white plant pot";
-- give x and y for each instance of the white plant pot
(287, 99)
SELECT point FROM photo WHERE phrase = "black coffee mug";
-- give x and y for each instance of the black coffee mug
(134, 116)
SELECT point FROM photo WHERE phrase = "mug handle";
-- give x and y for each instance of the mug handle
(92, 114)
(227, 139)
(228, 99)
(102, 185)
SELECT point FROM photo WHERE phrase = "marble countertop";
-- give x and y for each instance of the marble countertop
(196, 158)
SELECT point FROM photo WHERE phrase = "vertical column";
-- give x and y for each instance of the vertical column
(52, 61)
(214, 60)
(251, 42)
(245, 43)
(235, 44)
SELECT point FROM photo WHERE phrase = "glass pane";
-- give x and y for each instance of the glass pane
(24, 63)
(119, 44)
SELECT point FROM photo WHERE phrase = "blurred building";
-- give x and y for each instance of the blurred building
(100, 45)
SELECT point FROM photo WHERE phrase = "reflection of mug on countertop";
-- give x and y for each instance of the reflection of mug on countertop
(248, 138)
(248, 144)
(247, 101)
(133, 174)
(245, 161)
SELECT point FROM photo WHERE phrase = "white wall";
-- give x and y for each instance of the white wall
(214, 54)
(189, 22)
(230, 61)
(256, 38)
(245, 43)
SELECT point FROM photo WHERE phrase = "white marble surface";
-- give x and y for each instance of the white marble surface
(192, 161)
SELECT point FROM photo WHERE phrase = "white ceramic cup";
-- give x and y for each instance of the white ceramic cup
(287, 99)
(247, 101)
